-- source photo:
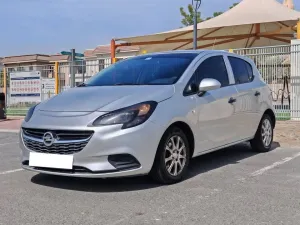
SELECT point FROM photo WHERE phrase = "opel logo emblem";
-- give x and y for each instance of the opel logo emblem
(48, 139)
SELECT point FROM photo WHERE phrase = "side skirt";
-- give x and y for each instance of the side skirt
(221, 147)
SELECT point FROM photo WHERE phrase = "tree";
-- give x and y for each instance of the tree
(214, 15)
(188, 18)
(233, 5)
(219, 13)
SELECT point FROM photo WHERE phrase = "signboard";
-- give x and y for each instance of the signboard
(48, 85)
(25, 87)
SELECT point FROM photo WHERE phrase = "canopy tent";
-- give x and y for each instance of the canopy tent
(252, 23)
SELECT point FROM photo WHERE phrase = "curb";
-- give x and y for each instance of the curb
(9, 131)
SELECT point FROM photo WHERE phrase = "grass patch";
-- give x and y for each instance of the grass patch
(16, 111)
(283, 116)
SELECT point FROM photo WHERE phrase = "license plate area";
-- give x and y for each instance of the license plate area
(45, 160)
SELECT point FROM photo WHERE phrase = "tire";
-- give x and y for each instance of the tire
(259, 143)
(169, 154)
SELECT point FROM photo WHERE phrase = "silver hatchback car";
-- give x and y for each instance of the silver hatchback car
(150, 114)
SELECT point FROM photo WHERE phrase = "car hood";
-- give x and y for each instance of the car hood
(105, 98)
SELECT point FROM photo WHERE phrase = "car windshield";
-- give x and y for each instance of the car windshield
(160, 69)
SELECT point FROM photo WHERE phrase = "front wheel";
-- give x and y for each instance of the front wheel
(172, 157)
(263, 139)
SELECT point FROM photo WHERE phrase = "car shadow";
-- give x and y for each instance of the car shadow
(223, 157)
(199, 165)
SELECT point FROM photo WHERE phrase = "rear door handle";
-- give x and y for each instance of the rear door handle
(232, 100)
(257, 93)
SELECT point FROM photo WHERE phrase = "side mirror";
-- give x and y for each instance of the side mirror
(209, 84)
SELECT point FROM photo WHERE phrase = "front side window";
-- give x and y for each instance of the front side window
(242, 70)
(160, 69)
(213, 67)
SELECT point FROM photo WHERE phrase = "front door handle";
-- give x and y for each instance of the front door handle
(257, 93)
(232, 100)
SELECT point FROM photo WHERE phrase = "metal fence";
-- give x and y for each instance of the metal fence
(274, 64)
(29, 85)
(81, 70)
(1, 80)
(279, 67)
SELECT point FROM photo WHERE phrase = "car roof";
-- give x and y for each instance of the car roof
(197, 52)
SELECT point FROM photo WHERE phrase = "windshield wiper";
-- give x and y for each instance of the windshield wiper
(82, 85)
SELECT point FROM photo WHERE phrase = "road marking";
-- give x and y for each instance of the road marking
(10, 171)
(263, 170)
(10, 143)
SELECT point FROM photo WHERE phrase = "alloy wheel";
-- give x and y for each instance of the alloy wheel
(266, 132)
(175, 155)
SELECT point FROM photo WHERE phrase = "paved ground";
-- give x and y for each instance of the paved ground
(10, 125)
(232, 186)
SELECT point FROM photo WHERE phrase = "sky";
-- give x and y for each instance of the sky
(52, 26)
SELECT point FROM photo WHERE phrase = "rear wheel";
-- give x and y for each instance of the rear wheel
(172, 157)
(263, 139)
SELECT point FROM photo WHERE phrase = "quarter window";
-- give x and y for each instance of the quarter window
(242, 70)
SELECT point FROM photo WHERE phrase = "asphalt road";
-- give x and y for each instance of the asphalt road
(231, 186)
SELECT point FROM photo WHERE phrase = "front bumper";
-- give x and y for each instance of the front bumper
(140, 142)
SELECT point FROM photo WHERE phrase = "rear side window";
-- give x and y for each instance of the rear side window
(242, 70)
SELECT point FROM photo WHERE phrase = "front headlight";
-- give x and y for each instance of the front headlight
(30, 113)
(129, 117)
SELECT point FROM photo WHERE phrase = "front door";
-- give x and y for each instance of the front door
(216, 113)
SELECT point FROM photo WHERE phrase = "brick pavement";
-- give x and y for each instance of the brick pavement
(10, 124)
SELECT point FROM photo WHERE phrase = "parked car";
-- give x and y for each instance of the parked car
(150, 114)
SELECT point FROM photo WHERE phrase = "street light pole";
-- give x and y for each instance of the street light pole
(196, 5)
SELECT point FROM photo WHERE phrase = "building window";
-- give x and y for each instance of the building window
(10, 70)
(20, 69)
(101, 64)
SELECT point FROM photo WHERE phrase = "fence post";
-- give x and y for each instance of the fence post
(5, 84)
(56, 76)
(72, 68)
(295, 80)
(113, 51)
(298, 30)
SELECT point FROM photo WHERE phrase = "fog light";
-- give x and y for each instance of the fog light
(124, 162)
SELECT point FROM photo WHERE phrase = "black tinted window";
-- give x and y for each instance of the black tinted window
(160, 69)
(213, 67)
(242, 70)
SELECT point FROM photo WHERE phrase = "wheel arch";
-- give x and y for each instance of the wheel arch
(187, 131)
(271, 113)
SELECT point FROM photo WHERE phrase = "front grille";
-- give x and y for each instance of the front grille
(61, 134)
(66, 142)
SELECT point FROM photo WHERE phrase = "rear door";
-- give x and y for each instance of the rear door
(247, 104)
